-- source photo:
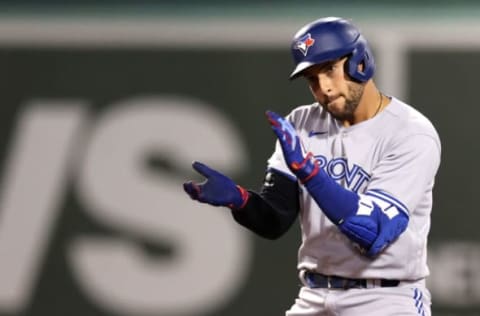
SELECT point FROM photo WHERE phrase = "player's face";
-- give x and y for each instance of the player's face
(333, 89)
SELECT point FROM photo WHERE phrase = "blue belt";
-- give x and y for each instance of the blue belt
(316, 280)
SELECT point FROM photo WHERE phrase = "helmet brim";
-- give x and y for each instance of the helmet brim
(301, 67)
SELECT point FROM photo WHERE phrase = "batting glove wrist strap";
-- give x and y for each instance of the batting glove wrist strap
(307, 169)
(240, 203)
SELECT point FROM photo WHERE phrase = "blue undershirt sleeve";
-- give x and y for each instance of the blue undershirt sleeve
(336, 202)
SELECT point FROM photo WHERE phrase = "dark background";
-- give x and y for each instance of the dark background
(241, 84)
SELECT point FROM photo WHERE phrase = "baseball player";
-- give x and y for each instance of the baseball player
(358, 167)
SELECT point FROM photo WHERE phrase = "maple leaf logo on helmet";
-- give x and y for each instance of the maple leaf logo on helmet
(304, 43)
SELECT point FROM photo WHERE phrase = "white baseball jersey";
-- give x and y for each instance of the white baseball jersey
(392, 159)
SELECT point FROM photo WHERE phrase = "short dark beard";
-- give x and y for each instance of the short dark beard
(355, 90)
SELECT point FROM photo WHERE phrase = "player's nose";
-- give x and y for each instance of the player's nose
(321, 88)
(324, 84)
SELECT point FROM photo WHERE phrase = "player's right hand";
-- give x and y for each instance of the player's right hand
(217, 189)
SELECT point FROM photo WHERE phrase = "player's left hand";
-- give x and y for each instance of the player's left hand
(304, 166)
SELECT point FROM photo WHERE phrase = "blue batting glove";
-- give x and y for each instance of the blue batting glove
(303, 166)
(217, 189)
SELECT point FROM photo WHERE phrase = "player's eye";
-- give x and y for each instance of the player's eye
(331, 68)
(311, 79)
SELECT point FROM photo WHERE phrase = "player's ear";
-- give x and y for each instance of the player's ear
(361, 66)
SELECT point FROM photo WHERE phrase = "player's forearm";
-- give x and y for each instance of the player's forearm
(336, 202)
(359, 217)
(271, 212)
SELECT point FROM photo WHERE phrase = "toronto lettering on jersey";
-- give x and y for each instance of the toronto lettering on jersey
(338, 169)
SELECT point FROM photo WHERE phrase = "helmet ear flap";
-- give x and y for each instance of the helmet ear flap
(361, 55)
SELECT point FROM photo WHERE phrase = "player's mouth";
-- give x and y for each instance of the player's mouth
(333, 102)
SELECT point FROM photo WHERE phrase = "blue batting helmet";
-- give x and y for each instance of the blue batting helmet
(330, 38)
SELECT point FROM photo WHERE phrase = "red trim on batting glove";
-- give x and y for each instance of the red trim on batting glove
(298, 166)
(244, 195)
(311, 175)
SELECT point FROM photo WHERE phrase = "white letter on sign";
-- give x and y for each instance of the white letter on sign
(35, 178)
(210, 251)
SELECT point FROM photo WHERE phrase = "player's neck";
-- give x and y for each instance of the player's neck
(371, 104)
